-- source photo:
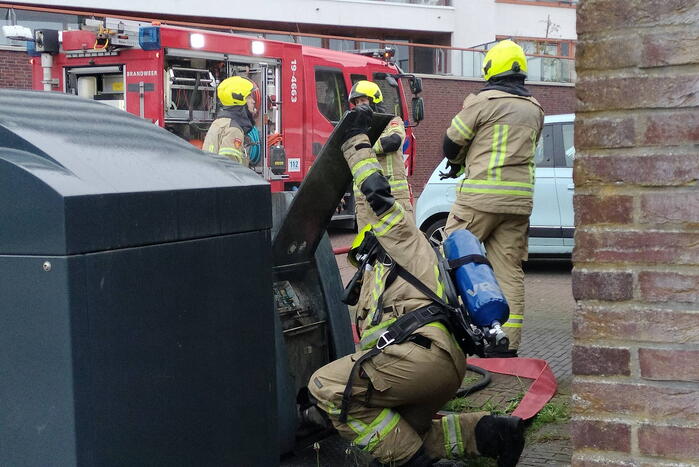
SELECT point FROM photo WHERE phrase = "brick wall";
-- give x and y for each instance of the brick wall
(443, 98)
(15, 71)
(636, 259)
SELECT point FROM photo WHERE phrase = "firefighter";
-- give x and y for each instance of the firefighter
(493, 139)
(235, 119)
(388, 149)
(383, 397)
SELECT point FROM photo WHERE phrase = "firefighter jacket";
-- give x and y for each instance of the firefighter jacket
(381, 302)
(226, 139)
(389, 152)
(391, 157)
(498, 132)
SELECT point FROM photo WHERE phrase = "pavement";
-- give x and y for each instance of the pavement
(546, 335)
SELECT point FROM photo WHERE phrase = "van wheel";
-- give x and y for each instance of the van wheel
(435, 232)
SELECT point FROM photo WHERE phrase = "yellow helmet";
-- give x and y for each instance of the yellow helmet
(505, 59)
(367, 89)
(356, 247)
(235, 90)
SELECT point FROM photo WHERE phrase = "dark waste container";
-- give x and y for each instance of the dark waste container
(136, 318)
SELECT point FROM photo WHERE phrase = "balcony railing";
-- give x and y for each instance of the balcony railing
(469, 63)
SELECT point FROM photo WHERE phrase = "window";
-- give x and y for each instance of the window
(342, 45)
(568, 143)
(331, 93)
(355, 78)
(35, 20)
(312, 41)
(543, 157)
(402, 56)
(391, 97)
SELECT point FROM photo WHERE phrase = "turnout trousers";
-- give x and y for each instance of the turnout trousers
(394, 397)
(505, 240)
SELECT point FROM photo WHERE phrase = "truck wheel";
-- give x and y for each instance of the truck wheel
(435, 232)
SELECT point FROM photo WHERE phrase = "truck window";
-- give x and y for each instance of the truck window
(391, 97)
(331, 93)
(355, 78)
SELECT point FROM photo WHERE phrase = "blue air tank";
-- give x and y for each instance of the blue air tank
(475, 282)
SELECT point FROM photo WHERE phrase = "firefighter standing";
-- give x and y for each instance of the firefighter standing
(493, 140)
(383, 397)
(388, 149)
(235, 119)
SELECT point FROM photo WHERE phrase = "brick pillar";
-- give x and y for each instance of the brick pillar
(636, 259)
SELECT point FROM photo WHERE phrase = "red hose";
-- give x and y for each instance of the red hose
(342, 250)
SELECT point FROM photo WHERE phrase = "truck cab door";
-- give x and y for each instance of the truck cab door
(328, 103)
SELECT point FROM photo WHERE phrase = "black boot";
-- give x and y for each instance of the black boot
(419, 459)
(500, 437)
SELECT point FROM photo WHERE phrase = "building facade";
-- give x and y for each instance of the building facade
(429, 36)
(442, 40)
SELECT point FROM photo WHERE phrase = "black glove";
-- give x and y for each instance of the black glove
(360, 119)
(455, 170)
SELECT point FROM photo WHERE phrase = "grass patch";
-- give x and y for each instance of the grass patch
(463, 404)
(458, 404)
(553, 412)
(470, 378)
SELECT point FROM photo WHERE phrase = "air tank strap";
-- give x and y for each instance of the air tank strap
(478, 259)
(396, 333)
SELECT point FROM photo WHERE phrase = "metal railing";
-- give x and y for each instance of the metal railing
(413, 58)
(469, 63)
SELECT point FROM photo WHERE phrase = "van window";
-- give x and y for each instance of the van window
(331, 93)
(568, 144)
(391, 97)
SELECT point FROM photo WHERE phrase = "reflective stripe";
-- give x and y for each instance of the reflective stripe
(462, 128)
(494, 152)
(503, 151)
(331, 409)
(382, 425)
(371, 335)
(496, 187)
(377, 290)
(389, 165)
(378, 149)
(212, 148)
(514, 321)
(398, 185)
(440, 284)
(364, 168)
(453, 444)
(388, 220)
(237, 154)
(357, 426)
(531, 162)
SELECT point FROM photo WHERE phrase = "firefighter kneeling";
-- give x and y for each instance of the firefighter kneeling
(383, 397)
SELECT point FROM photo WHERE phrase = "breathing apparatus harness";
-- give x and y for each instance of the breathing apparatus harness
(449, 312)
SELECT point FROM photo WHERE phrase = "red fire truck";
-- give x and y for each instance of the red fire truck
(169, 74)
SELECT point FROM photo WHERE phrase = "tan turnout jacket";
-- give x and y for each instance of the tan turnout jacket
(226, 140)
(499, 132)
(393, 168)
